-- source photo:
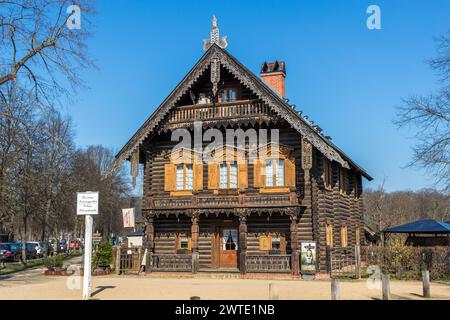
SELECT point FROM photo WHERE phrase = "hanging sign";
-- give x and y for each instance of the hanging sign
(308, 257)
(87, 203)
(128, 218)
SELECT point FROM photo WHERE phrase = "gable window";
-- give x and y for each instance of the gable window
(185, 177)
(228, 176)
(275, 173)
(328, 174)
(344, 239)
(229, 94)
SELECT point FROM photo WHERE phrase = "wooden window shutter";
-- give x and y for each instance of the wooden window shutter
(259, 174)
(169, 177)
(283, 243)
(329, 235)
(289, 172)
(357, 236)
(264, 243)
(344, 241)
(198, 176)
(213, 176)
(243, 175)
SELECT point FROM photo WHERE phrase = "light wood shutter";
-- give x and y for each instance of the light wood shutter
(243, 175)
(259, 174)
(264, 243)
(198, 176)
(329, 235)
(289, 172)
(213, 176)
(170, 177)
(357, 236)
(344, 241)
(283, 243)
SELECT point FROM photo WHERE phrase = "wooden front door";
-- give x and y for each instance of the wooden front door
(225, 248)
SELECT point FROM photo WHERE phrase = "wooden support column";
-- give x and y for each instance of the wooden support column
(149, 244)
(310, 213)
(242, 243)
(295, 255)
(195, 230)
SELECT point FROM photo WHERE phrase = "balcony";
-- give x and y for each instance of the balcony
(235, 110)
(287, 199)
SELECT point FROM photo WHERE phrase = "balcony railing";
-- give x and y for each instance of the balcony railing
(222, 201)
(172, 262)
(270, 263)
(227, 110)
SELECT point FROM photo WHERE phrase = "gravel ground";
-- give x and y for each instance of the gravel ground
(32, 284)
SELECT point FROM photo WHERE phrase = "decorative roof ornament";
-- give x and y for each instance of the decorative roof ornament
(214, 37)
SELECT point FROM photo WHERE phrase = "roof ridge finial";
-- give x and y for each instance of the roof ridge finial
(214, 37)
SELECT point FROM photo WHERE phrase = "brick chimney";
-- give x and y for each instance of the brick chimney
(274, 74)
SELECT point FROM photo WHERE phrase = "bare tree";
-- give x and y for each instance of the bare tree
(399, 207)
(38, 50)
(89, 166)
(430, 115)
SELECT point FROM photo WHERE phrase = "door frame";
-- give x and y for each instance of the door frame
(217, 242)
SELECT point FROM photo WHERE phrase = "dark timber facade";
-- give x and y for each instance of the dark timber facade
(233, 216)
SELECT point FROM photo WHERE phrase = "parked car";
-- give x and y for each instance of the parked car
(9, 252)
(62, 247)
(29, 249)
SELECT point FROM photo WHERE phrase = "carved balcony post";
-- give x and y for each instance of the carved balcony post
(195, 230)
(295, 258)
(149, 244)
(242, 242)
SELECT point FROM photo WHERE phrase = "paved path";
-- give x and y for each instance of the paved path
(31, 276)
(32, 284)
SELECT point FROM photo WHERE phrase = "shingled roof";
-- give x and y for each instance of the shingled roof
(259, 87)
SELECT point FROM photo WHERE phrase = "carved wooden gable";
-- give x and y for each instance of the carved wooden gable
(209, 62)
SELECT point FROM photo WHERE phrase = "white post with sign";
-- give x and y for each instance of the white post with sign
(87, 205)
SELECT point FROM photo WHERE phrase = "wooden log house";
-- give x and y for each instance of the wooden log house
(247, 217)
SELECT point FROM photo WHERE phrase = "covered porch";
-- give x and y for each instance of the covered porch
(226, 240)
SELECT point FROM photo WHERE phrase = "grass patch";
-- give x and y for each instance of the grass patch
(16, 267)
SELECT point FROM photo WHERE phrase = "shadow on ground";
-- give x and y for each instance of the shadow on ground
(100, 289)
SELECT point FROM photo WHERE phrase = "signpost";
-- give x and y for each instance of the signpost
(87, 205)
(96, 239)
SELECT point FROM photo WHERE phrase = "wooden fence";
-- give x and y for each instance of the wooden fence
(270, 263)
(128, 260)
(344, 262)
(171, 262)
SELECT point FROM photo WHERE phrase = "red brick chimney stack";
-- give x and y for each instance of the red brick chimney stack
(274, 74)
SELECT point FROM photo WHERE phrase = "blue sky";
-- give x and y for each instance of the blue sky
(346, 78)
